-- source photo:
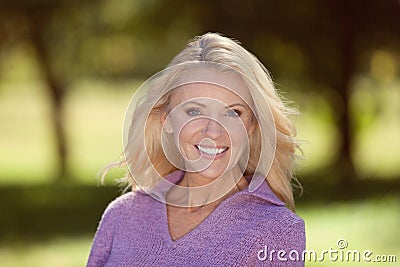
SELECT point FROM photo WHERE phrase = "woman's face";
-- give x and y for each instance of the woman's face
(210, 125)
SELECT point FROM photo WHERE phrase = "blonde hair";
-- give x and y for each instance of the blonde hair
(273, 126)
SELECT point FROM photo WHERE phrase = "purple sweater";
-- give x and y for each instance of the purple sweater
(246, 229)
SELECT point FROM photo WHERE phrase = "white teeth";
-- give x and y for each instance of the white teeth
(211, 151)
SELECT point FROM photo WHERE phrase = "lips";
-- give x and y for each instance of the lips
(213, 151)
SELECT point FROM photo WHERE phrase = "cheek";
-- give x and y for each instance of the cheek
(185, 131)
(241, 127)
(238, 134)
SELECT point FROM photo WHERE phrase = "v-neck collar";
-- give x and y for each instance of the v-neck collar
(161, 189)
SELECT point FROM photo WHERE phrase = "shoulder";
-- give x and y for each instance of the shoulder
(276, 227)
(125, 204)
(284, 223)
(280, 228)
(267, 213)
(278, 216)
(266, 208)
(120, 203)
(268, 220)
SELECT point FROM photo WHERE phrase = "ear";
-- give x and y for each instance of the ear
(166, 123)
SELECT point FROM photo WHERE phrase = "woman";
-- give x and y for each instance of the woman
(210, 152)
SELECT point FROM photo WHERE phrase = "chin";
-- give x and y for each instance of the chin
(211, 174)
(214, 172)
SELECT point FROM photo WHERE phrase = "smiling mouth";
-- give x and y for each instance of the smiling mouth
(211, 150)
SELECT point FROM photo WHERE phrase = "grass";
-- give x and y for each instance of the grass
(365, 225)
(371, 224)
(60, 251)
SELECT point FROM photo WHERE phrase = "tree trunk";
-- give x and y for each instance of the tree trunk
(346, 13)
(55, 89)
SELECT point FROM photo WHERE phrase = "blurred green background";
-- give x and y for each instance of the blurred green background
(69, 68)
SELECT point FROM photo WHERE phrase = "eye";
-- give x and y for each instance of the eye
(233, 113)
(193, 112)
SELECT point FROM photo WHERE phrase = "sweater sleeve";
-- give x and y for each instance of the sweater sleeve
(102, 243)
(283, 248)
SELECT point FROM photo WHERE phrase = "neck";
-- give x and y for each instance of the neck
(197, 191)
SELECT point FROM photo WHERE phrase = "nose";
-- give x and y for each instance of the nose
(213, 129)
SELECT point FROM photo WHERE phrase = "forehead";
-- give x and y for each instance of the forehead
(205, 91)
(224, 87)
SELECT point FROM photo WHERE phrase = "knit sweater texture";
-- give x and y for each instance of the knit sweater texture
(246, 229)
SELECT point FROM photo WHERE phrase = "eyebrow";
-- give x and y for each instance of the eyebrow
(194, 102)
(236, 104)
(204, 106)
